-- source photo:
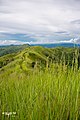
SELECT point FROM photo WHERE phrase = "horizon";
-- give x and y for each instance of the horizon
(44, 44)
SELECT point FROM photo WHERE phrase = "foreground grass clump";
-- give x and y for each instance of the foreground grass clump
(53, 94)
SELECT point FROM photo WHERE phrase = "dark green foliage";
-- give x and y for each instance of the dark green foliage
(12, 49)
(6, 59)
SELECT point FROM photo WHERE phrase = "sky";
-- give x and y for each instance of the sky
(39, 21)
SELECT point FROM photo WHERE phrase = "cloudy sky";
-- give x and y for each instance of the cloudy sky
(39, 21)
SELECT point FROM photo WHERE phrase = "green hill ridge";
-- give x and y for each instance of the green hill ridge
(31, 56)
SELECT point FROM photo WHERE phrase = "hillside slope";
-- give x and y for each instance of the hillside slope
(37, 56)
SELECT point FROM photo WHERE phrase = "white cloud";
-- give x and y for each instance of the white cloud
(75, 40)
(9, 42)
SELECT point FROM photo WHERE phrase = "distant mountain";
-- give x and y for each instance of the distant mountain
(57, 45)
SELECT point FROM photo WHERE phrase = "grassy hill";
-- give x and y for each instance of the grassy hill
(40, 83)
(41, 56)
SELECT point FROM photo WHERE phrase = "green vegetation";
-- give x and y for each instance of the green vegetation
(12, 49)
(41, 84)
(31, 56)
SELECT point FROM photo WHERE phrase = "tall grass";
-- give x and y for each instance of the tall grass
(52, 94)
